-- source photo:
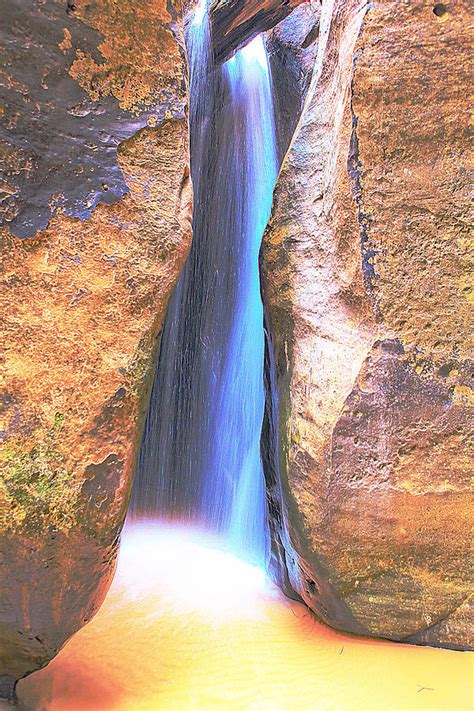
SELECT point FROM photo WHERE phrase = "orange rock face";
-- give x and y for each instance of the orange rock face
(365, 286)
(138, 63)
(365, 282)
(84, 302)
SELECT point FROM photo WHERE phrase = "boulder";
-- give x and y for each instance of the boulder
(365, 283)
(97, 208)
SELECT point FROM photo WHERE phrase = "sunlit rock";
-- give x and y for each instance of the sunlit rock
(365, 285)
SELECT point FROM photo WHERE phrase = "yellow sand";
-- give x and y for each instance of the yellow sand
(188, 627)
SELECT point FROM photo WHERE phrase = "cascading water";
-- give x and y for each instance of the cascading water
(200, 457)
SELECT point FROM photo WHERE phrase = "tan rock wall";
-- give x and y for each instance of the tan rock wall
(365, 273)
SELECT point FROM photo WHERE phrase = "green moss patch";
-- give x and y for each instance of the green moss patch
(36, 489)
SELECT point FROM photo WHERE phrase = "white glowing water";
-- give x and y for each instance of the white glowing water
(199, 573)
(188, 626)
(200, 458)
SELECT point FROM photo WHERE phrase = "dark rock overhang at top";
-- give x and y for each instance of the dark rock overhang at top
(235, 22)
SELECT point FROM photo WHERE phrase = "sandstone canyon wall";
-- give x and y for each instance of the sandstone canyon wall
(366, 290)
(364, 284)
(96, 205)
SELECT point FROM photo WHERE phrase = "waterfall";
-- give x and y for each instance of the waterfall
(200, 456)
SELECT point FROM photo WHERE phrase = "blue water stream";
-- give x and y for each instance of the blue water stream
(200, 456)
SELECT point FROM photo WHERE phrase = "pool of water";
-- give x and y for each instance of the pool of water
(188, 626)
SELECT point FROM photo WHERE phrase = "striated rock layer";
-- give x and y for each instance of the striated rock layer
(366, 289)
(84, 295)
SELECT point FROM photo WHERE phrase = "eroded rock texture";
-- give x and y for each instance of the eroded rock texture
(366, 289)
(94, 103)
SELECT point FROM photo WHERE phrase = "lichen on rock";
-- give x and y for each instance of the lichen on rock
(102, 71)
(36, 491)
(137, 64)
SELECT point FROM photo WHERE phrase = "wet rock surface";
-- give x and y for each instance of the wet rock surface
(78, 79)
(292, 48)
(365, 266)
